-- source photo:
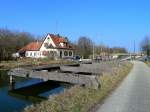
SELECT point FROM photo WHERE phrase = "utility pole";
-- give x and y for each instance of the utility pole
(134, 46)
(93, 51)
(134, 49)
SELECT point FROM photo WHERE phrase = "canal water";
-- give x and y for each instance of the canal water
(14, 100)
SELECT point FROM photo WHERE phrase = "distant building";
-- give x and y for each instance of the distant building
(53, 46)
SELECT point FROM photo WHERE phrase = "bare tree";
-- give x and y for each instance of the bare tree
(84, 47)
(11, 42)
(145, 45)
(118, 50)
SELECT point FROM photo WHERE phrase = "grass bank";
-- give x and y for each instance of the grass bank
(30, 62)
(78, 99)
(148, 63)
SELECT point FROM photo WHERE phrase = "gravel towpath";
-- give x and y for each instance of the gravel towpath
(133, 94)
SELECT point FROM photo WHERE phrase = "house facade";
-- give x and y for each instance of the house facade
(53, 46)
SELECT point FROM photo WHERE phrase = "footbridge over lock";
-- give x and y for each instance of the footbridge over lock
(72, 73)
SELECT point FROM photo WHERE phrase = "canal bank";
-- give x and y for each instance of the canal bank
(79, 99)
(29, 62)
(16, 99)
(148, 63)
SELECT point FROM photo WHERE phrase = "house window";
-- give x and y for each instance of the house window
(31, 54)
(70, 53)
(26, 54)
(48, 39)
(34, 54)
(46, 45)
(65, 53)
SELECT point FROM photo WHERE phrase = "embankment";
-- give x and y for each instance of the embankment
(79, 99)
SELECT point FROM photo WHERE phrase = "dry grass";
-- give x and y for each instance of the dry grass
(148, 63)
(78, 99)
(30, 62)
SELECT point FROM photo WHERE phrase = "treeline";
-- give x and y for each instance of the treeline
(11, 41)
(85, 48)
(145, 46)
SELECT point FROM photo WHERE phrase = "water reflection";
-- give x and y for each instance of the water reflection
(24, 92)
(32, 92)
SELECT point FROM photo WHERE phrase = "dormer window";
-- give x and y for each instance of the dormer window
(46, 45)
(50, 45)
(61, 44)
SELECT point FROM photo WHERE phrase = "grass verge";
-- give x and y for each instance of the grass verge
(148, 63)
(78, 99)
(30, 62)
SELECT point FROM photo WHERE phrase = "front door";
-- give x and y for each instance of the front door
(60, 54)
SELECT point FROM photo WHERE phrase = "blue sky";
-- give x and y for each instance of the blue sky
(111, 22)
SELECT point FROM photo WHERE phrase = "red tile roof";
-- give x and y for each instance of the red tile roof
(57, 40)
(33, 46)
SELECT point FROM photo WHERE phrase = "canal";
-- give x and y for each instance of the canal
(24, 92)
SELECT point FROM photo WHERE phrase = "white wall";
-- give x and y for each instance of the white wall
(43, 48)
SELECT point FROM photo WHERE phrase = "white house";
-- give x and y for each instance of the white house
(52, 46)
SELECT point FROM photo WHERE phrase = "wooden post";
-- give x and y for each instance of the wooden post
(11, 83)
